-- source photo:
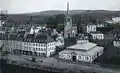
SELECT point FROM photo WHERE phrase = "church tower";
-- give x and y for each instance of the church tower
(68, 24)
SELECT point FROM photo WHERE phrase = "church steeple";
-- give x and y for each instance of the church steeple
(67, 8)
(68, 24)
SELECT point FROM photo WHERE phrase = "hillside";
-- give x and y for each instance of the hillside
(44, 15)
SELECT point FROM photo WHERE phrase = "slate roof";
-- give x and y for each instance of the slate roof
(39, 38)
(35, 38)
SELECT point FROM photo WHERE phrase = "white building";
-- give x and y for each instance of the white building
(89, 28)
(113, 20)
(84, 52)
(116, 19)
(116, 41)
(97, 35)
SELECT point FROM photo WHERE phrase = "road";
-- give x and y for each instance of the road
(62, 64)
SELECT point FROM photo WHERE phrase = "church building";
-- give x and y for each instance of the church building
(69, 31)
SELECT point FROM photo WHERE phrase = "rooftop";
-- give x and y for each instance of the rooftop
(90, 52)
(38, 38)
(82, 46)
(97, 32)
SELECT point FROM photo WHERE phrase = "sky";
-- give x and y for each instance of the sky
(25, 6)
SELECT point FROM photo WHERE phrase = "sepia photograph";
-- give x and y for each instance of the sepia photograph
(59, 36)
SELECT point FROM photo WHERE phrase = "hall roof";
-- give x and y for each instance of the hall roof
(82, 46)
(90, 52)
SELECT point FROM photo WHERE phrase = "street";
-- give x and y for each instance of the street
(61, 64)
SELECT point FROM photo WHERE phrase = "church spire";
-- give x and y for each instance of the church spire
(67, 8)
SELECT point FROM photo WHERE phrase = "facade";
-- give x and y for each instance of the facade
(97, 35)
(28, 44)
(89, 28)
(83, 52)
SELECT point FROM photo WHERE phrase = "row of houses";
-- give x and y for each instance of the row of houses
(29, 44)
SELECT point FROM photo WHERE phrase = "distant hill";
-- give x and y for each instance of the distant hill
(72, 12)
(52, 12)
(42, 16)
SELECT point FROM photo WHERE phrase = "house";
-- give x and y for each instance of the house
(59, 40)
(82, 38)
(116, 19)
(83, 52)
(97, 35)
(116, 41)
(113, 20)
(89, 28)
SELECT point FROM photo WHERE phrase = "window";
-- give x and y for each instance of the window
(61, 55)
(44, 49)
(80, 57)
(87, 58)
(43, 45)
(41, 49)
(29, 48)
(34, 49)
(68, 56)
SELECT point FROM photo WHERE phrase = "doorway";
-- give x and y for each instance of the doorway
(74, 58)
